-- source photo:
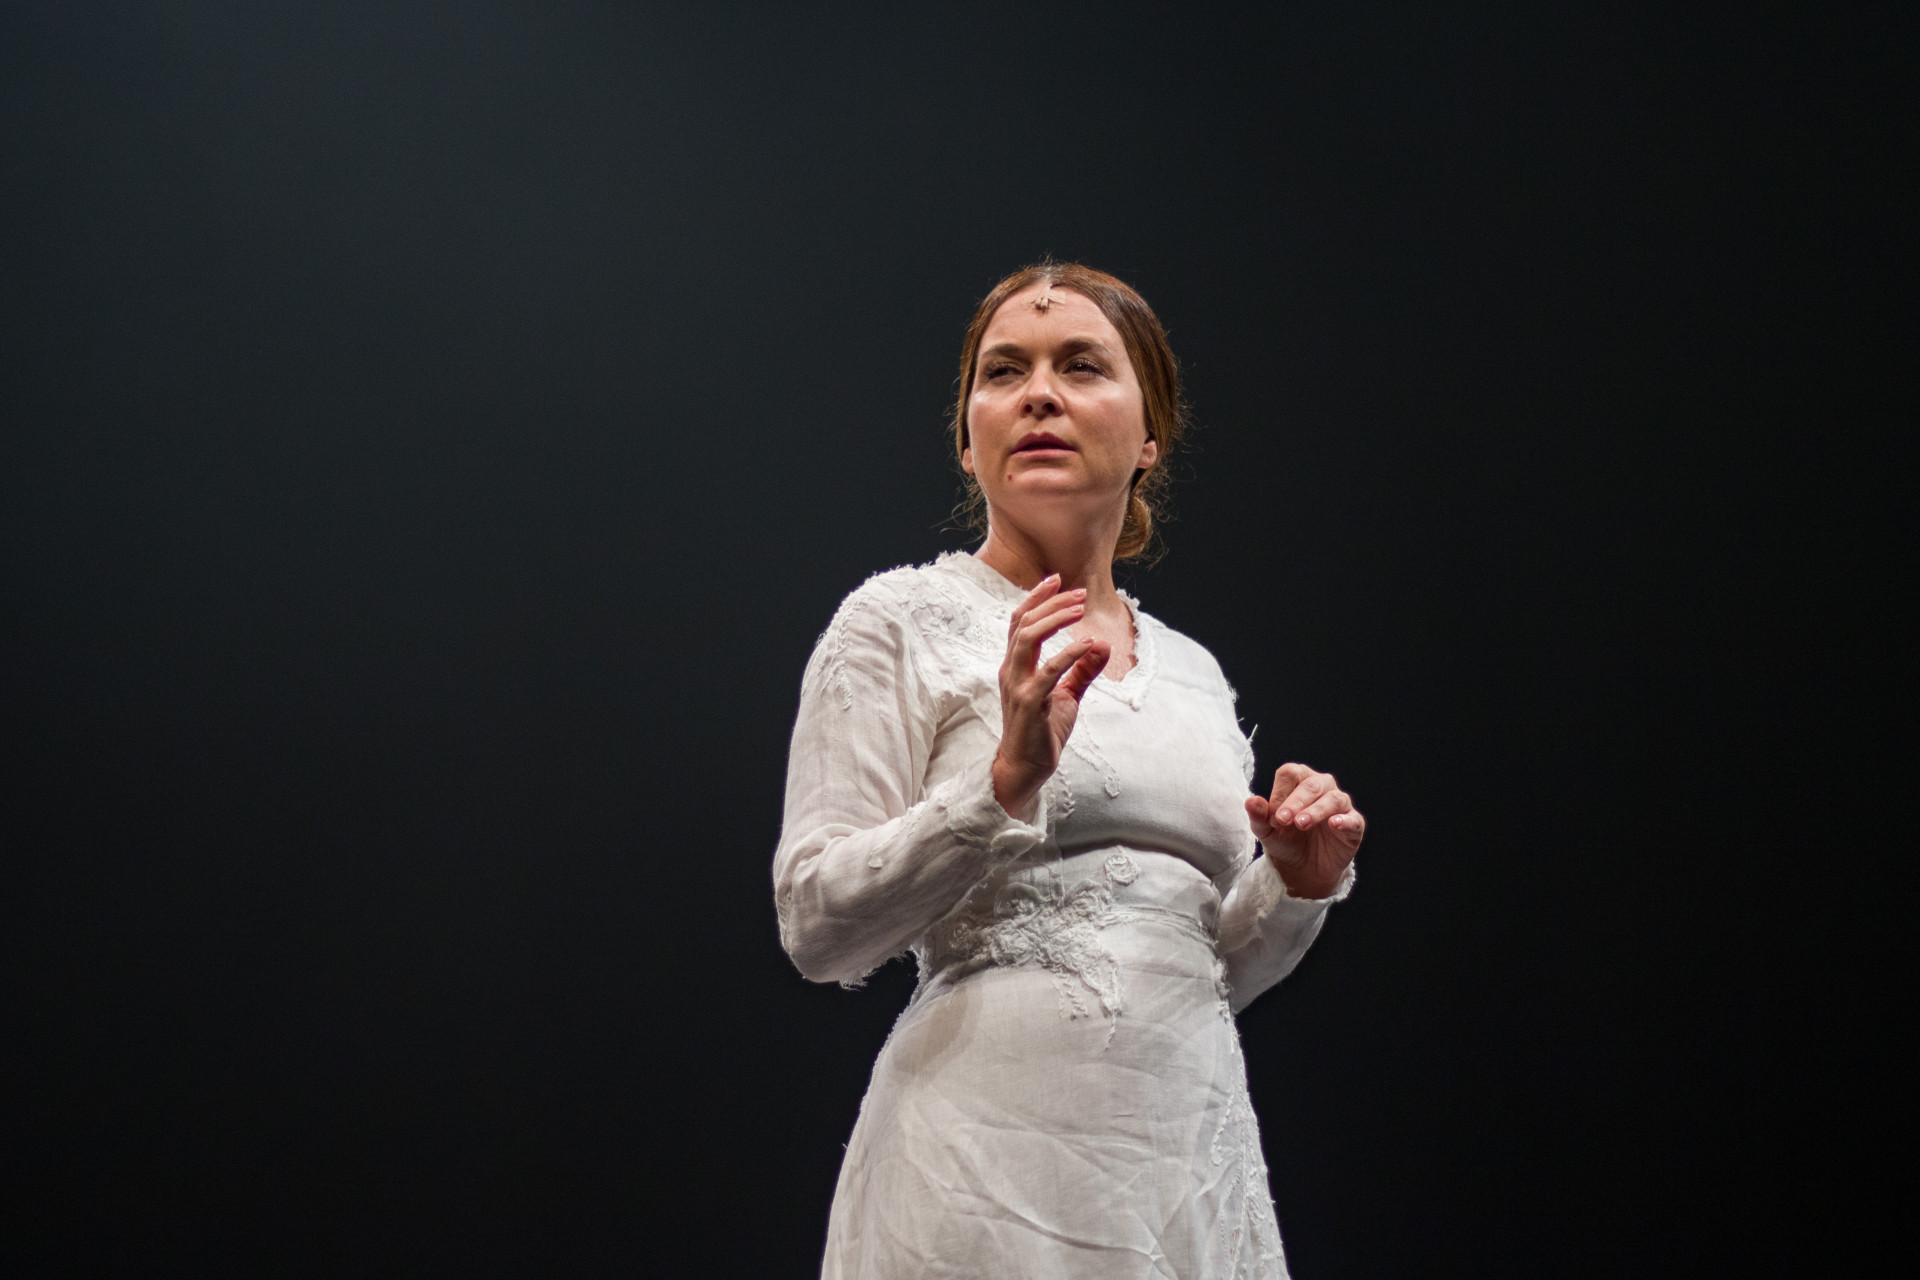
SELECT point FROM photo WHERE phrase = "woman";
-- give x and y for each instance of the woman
(1003, 765)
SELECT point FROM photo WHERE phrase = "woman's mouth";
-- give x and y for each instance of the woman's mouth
(1042, 442)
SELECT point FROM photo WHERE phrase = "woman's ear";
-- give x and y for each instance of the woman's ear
(1149, 453)
(966, 460)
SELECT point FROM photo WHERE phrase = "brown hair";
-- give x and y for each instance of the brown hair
(1153, 364)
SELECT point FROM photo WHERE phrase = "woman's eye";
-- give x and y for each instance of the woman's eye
(1083, 366)
(998, 370)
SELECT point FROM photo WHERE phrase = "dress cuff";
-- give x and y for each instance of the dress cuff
(1305, 905)
(975, 817)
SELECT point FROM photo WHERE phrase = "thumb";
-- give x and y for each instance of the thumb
(1081, 675)
(1260, 816)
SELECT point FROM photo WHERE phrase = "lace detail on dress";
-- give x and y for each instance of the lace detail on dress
(1059, 796)
(833, 646)
(1084, 747)
(941, 612)
(1247, 1228)
(1056, 929)
(783, 913)
(933, 607)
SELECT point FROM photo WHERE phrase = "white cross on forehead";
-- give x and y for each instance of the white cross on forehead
(1045, 300)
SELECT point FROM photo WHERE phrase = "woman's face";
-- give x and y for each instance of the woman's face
(1056, 424)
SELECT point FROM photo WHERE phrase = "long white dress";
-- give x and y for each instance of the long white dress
(1065, 1095)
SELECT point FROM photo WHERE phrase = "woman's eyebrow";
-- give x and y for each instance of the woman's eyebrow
(1075, 346)
(1068, 347)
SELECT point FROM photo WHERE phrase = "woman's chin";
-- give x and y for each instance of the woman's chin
(1037, 504)
(1037, 493)
(1065, 476)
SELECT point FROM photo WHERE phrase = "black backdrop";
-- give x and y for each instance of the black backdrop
(436, 433)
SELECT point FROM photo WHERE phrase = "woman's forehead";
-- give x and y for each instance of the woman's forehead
(1043, 314)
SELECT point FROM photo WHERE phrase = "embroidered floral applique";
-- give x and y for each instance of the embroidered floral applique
(933, 609)
(940, 613)
(1247, 1228)
(1121, 868)
(833, 647)
(1057, 930)
(958, 635)
(1083, 745)
(1059, 793)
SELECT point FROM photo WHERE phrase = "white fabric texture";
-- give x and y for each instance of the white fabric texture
(1064, 1096)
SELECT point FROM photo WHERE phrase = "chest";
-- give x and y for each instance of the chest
(1117, 629)
(1156, 761)
(1168, 775)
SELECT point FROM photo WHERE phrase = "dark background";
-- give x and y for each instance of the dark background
(436, 433)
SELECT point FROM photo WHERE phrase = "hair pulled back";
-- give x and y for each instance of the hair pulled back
(1153, 364)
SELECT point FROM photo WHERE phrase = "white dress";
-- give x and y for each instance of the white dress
(1064, 1096)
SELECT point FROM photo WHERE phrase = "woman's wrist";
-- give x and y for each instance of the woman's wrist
(1299, 884)
(1012, 792)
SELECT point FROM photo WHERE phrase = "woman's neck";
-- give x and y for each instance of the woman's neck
(1082, 562)
(1024, 561)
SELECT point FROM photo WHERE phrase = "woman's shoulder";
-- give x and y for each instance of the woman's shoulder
(942, 600)
(920, 618)
(897, 591)
(1179, 655)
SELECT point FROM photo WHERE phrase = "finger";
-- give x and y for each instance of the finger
(1311, 788)
(1061, 611)
(1351, 828)
(1043, 622)
(1075, 599)
(1260, 817)
(1286, 778)
(1050, 672)
(1086, 669)
(1335, 801)
(1047, 586)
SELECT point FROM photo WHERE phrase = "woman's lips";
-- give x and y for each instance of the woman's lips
(1041, 442)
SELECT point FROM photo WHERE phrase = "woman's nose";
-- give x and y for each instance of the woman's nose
(1041, 400)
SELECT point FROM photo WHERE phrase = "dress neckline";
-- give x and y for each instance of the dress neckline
(1130, 688)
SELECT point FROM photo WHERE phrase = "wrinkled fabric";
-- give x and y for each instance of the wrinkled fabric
(1065, 1095)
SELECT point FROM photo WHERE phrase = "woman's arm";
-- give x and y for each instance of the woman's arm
(1264, 930)
(865, 863)
(1310, 832)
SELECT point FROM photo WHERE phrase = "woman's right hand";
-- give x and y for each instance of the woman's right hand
(1039, 702)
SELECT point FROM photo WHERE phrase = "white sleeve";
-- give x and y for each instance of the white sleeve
(1264, 930)
(866, 861)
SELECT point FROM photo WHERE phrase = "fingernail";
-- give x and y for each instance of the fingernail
(1285, 815)
(1302, 819)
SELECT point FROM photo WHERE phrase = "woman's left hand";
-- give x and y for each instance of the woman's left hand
(1309, 829)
